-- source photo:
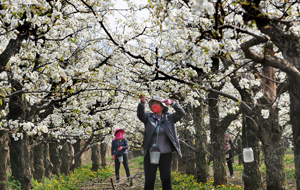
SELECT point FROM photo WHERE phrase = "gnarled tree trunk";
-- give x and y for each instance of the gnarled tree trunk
(252, 171)
(77, 149)
(175, 158)
(240, 150)
(20, 161)
(38, 162)
(217, 135)
(217, 142)
(3, 164)
(47, 163)
(55, 158)
(288, 44)
(66, 158)
(95, 157)
(103, 147)
(271, 132)
(200, 141)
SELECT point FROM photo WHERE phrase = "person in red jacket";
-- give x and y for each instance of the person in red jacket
(119, 147)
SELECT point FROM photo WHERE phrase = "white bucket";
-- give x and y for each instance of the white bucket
(120, 158)
(248, 155)
(154, 157)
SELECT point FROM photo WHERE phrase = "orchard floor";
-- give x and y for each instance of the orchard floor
(137, 178)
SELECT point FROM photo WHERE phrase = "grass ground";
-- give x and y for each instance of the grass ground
(136, 169)
(84, 179)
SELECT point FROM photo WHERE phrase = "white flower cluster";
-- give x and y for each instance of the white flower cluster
(70, 57)
(265, 113)
(17, 136)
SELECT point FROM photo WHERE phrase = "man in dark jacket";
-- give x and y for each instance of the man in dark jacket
(160, 135)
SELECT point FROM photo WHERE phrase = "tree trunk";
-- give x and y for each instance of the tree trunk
(103, 154)
(217, 141)
(271, 131)
(38, 162)
(252, 171)
(47, 164)
(240, 150)
(295, 120)
(175, 161)
(77, 148)
(54, 158)
(66, 158)
(274, 152)
(20, 161)
(181, 165)
(95, 157)
(3, 164)
(288, 44)
(200, 141)
(188, 156)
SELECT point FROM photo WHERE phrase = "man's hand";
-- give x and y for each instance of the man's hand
(120, 148)
(113, 157)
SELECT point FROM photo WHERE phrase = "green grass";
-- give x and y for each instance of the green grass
(183, 181)
(85, 177)
(12, 183)
(77, 179)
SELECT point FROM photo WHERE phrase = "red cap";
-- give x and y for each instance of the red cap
(122, 130)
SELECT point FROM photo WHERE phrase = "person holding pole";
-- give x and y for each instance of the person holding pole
(119, 148)
(160, 137)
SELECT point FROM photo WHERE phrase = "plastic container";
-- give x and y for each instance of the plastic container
(120, 158)
(154, 157)
(248, 155)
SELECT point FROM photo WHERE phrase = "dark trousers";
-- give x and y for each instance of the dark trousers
(165, 167)
(117, 166)
(229, 163)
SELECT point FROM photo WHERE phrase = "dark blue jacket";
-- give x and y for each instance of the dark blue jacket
(167, 123)
(116, 144)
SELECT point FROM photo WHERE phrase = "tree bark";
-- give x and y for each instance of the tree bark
(240, 150)
(188, 156)
(175, 161)
(20, 161)
(288, 44)
(47, 164)
(181, 164)
(271, 131)
(217, 141)
(3, 164)
(274, 152)
(38, 162)
(11, 49)
(252, 171)
(55, 158)
(77, 149)
(295, 120)
(95, 157)
(66, 158)
(200, 141)
(103, 155)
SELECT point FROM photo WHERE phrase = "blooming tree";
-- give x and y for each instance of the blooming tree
(74, 69)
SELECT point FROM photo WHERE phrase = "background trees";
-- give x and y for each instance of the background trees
(73, 70)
